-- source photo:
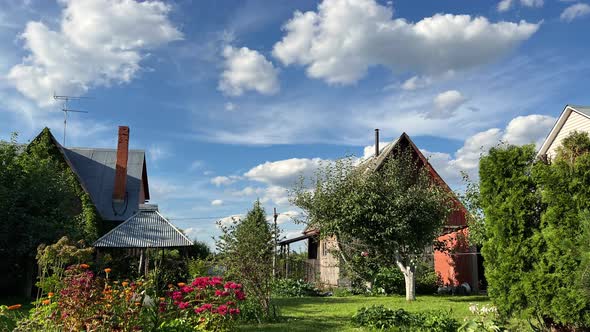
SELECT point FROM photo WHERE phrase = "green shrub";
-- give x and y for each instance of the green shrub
(377, 316)
(427, 283)
(390, 281)
(293, 288)
(380, 317)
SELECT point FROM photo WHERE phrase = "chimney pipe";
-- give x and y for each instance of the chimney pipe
(121, 167)
(376, 142)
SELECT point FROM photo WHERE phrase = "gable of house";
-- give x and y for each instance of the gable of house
(573, 118)
(95, 170)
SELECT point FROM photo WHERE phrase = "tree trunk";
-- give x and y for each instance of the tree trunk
(410, 278)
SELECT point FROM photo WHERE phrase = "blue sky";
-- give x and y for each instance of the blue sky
(233, 100)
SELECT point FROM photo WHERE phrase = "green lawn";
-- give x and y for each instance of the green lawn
(334, 313)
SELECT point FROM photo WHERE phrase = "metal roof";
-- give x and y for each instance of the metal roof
(96, 170)
(145, 229)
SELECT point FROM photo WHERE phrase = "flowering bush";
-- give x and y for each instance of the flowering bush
(207, 304)
(90, 303)
(485, 319)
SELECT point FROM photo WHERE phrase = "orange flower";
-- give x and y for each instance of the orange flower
(84, 266)
(181, 284)
(15, 306)
(50, 294)
(162, 299)
(170, 286)
(125, 283)
(46, 302)
(107, 270)
(138, 304)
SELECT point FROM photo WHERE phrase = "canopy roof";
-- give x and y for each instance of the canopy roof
(145, 229)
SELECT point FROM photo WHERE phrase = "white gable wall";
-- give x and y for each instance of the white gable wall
(574, 122)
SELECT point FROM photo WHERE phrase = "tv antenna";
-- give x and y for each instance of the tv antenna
(66, 110)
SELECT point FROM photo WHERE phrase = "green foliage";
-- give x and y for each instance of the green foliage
(40, 201)
(53, 259)
(382, 218)
(485, 319)
(389, 281)
(536, 247)
(380, 317)
(293, 288)
(246, 250)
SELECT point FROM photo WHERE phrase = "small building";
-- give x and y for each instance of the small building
(572, 118)
(456, 265)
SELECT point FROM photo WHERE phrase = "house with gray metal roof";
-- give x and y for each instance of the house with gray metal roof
(115, 179)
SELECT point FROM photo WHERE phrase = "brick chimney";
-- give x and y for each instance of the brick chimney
(121, 168)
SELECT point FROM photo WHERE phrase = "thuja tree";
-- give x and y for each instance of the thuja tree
(378, 218)
(246, 250)
(536, 251)
(40, 201)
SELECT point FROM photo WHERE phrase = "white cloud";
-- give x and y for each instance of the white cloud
(519, 131)
(100, 42)
(528, 129)
(575, 11)
(226, 221)
(340, 41)
(229, 106)
(505, 5)
(284, 172)
(246, 69)
(369, 150)
(224, 180)
(217, 202)
(446, 103)
(157, 152)
(285, 217)
(416, 82)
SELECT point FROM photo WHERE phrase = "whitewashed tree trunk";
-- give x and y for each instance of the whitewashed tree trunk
(410, 278)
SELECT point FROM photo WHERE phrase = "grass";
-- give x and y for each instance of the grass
(334, 313)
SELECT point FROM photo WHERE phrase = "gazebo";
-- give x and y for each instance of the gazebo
(147, 229)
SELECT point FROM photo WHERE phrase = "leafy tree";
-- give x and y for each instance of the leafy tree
(510, 201)
(246, 250)
(40, 201)
(383, 218)
(536, 247)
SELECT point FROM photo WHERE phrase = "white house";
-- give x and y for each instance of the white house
(573, 118)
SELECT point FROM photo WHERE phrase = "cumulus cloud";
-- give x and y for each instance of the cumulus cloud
(284, 173)
(505, 5)
(99, 43)
(224, 180)
(446, 103)
(247, 70)
(519, 131)
(229, 106)
(217, 202)
(575, 11)
(343, 38)
(285, 217)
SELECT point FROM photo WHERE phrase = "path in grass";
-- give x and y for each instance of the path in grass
(333, 313)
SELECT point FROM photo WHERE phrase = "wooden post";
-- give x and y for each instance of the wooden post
(287, 262)
(274, 250)
(140, 261)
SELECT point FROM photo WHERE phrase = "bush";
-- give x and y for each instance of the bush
(380, 317)
(294, 288)
(390, 281)
(87, 302)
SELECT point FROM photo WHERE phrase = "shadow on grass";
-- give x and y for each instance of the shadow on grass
(474, 298)
(295, 324)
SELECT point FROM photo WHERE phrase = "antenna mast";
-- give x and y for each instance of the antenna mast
(66, 110)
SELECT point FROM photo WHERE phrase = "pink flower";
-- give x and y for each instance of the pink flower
(234, 311)
(365, 254)
(222, 310)
(177, 296)
(187, 289)
(240, 295)
(183, 305)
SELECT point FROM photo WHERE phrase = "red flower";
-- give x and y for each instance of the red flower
(234, 311)
(222, 310)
